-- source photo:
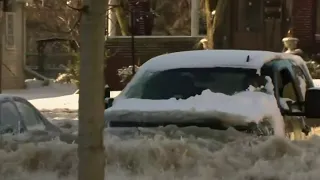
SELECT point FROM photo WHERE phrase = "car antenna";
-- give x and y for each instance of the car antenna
(248, 58)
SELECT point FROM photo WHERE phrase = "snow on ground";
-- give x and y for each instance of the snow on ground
(205, 155)
(54, 96)
(49, 97)
(316, 82)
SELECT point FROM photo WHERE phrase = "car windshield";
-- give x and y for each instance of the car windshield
(186, 82)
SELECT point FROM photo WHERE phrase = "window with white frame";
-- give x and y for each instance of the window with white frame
(9, 37)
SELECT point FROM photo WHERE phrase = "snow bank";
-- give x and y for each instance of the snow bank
(218, 155)
(244, 106)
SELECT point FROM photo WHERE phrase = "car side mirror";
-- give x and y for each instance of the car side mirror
(108, 102)
(312, 103)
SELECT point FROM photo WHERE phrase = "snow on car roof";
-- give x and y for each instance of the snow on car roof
(215, 58)
(212, 58)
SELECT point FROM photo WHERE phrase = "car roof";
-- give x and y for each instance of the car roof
(249, 59)
(245, 59)
(8, 96)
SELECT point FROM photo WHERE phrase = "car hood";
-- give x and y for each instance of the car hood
(240, 108)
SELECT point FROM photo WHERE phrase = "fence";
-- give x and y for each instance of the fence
(52, 62)
(146, 47)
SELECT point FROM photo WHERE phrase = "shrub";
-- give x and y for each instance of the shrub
(125, 73)
(314, 69)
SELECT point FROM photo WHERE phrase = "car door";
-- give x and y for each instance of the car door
(10, 119)
(30, 116)
(305, 82)
(290, 98)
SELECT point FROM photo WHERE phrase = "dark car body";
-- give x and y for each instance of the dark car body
(17, 115)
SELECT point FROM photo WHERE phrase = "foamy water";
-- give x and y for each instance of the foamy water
(180, 154)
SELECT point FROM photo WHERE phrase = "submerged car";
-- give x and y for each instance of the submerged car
(218, 89)
(17, 115)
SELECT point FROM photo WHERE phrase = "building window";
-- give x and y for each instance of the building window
(10, 38)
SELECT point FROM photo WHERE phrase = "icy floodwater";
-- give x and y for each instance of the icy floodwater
(205, 155)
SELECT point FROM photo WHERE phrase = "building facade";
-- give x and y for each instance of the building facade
(13, 45)
(262, 24)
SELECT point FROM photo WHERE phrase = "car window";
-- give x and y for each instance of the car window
(186, 82)
(287, 89)
(301, 79)
(30, 117)
(9, 116)
(288, 92)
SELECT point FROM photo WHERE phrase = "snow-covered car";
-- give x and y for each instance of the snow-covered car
(253, 91)
(17, 115)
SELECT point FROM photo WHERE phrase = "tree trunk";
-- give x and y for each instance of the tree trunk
(112, 18)
(218, 30)
(208, 13)
(122, 20)
(215, 23)
(91, 106)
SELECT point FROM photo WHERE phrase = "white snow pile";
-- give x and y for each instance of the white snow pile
(316, 82)
(221, 155)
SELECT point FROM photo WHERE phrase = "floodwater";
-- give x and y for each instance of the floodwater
(169, 154)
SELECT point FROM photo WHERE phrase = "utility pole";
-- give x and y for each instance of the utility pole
(91, 102)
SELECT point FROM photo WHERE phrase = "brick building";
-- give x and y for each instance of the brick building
(247, 24)
(263, 23)
(306, 23)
